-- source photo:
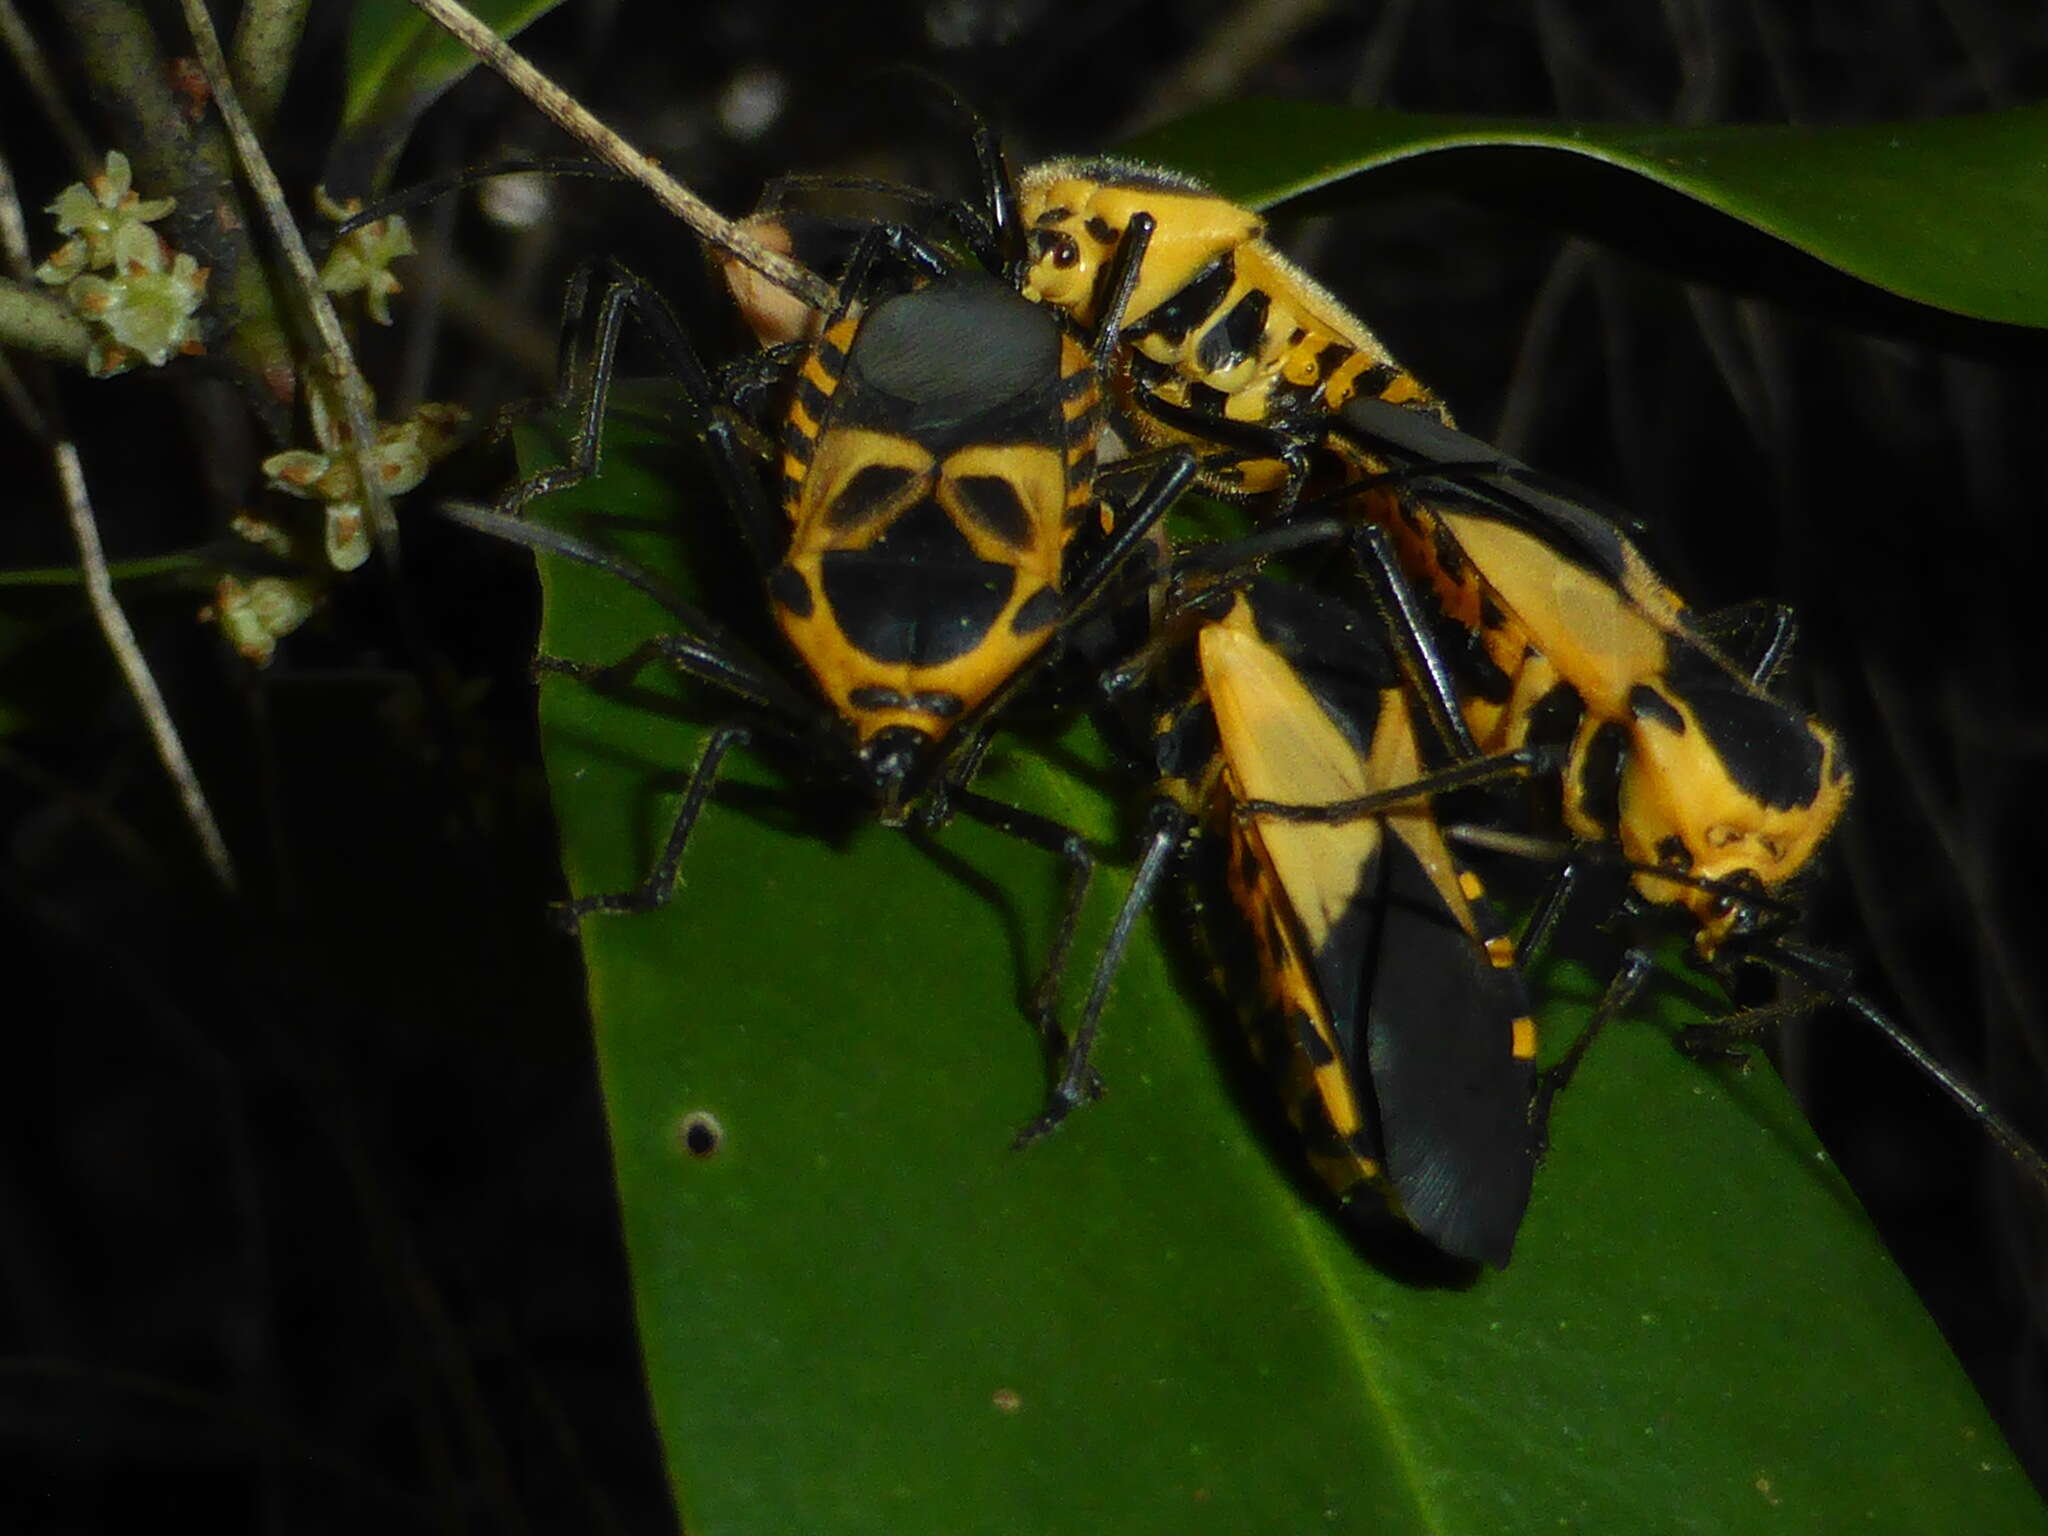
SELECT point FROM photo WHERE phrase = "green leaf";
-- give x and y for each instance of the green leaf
(399, 61)
(185, 564)
(864, 1312)
(1950, 212)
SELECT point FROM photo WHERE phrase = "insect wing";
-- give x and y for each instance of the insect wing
(1425, 1029)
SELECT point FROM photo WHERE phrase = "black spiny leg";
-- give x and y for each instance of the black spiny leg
(1635, 968)
(1428, 674)
(724, 432)
(1074, 852)
(660, 883)
(1078, 1081)
(623, 291)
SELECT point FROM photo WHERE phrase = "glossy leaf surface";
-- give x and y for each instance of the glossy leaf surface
(399, 60)
(1949, 212)
(864, 1312)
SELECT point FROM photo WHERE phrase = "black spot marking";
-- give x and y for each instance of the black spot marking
(699, 1134)
(1276, 939)
(918, 595)
(1449, 558)
(1490, 616)
(1646, 703)
(1488, 680)
(1100, 230)
(867, 495)
(1041, 610)
(788, 588)
(873, 698)
(946, 706)
(1310, 1040)
(1600, 774)
(1377, 379)
(1770, 751)
(1554, 718)
(1176, 319)
(994, 505)
(1673, 854)
(1236, 337)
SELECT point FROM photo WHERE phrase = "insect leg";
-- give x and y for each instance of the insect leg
(1166, 825)
(723, 433)
(728, 663)
(1170, 474)
(1635, 968)
(1428, 674)
(1077, 1082)
(1241, 442)
(1520, 763)
(660, 884)
(1803, 965)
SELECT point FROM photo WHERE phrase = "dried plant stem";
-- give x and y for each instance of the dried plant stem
(710, 225)
(37, 321)
(113, 622)
(341, 377)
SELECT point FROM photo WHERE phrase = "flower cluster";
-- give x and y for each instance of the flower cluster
(361, 259)
(255, 612)
(399, 459)
(138, 295)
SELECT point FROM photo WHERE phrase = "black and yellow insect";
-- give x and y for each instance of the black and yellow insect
(1678, 760)
(1226, 343)
(1226, 346)
(932, 525)
(1674, 753)
(1379, 988)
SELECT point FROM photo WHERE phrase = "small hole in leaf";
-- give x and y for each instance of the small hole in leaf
(700, 1134)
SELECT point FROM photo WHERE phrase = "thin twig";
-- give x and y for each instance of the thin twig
(42, 84)
(106, 608)
(343, 378)
(14, 248)
(570, 114)
(37, 321)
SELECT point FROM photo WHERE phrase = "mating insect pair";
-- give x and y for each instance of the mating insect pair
(938, 537)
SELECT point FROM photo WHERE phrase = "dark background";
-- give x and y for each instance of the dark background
(305, 1215)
